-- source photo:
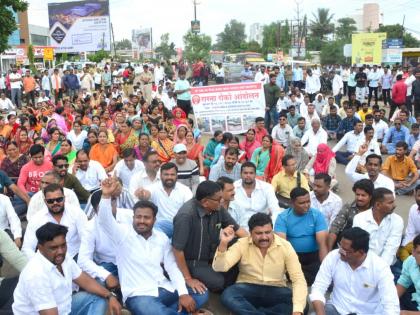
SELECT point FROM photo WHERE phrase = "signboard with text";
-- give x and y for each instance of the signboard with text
(367, 48)
(228, 107)
(195, 26)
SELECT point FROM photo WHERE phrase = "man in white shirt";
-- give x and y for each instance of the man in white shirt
(323, 199)
(352, 141)
(379, 125)
(146, 178)
(262, 76)
(90, 173)
(384, 226)
(313, 85)
(86, 81)
(363, 282)
(141, 251)
(128, 167)
(37, 203)
(45, 284)
(46, 83)
(168, 195)
(159, 72)
(251, 196)
(16, 87)
(373, 78)
(413, 224)
(56, 87)
(6, 104)
(313, 137)
(9, 220)
(282, 132)
(337, 86)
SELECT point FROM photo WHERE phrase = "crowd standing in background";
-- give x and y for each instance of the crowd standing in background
(107, 183)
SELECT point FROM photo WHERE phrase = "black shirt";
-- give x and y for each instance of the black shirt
(361, 79)
(5, 181)
(196, 232)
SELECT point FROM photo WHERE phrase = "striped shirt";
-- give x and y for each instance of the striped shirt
(188, 174)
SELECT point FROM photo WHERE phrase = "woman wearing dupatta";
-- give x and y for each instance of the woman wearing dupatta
(143, 147)
(249, 144)
(322, 162)
(54, 145)
(179, 117)
(194, 151)
(261, 155)
(163, 146)
(211, 147)
(23, 141)
(275, 164)
(126, 137)
(104, 152)
(179, 136)
(69, 152)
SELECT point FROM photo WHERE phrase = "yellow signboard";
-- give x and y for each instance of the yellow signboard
(367, 48)
(49, 53)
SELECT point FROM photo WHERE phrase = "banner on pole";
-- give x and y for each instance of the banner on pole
(367, 48)
(228, 107)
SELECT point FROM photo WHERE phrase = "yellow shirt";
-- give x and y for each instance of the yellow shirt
(399, 170)
(283, 184)
(362, 114)
(268, 270)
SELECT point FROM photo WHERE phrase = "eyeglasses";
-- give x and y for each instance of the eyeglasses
(216, 200)
(53, 200)
(62, 166)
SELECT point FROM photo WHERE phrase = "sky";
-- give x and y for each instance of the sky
(174, 16)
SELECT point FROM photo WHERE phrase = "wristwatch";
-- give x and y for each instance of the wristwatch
(110, 295)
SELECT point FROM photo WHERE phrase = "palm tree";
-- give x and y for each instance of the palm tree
(321, 26)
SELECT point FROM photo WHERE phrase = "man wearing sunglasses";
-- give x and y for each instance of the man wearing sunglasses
(59, 212)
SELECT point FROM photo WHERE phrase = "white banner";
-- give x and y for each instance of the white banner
(228, 107)
(392, 55)
(80, 26)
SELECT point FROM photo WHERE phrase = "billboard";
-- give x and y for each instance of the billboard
(142, 39)
(79, 26)
(367, 48)
(392, 55)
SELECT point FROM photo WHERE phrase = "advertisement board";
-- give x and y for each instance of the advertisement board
(367, 48)
(142, 39)
(392, 55)
(80, 26)
(228, 107)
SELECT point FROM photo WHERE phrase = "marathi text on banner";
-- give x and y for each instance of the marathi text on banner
(367, 48)
(228, 107)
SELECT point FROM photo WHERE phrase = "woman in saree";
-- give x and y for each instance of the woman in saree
(68, 151)
(180, 133)
(275, 164)
(180, 118)
(54, 145)
(194, 151)
(103, 127)
(137, 125)
(322, 162)
(154, 130)
(261, 155)
(23, 141)
(14, 160)
(126, 137)
(154, 116)
(249, 144)
(296, 150)
(104, 152)
(91, 140)
(211, 146)
(163, 145)
(143, 147)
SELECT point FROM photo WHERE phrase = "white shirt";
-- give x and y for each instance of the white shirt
(9, 218)
(381, 181)
(169, 103)
(337, 85)
(409, 82)
(351, 140)
(55, 82)
(139, 259)
(41, 286)
(345, 75)
(125, 174)
(97, 77)
(159, 74)
(6, 104)
(96, 247)
(37, 203)
(385, 239)
(314, 140)
(263, 199)
(87, 82)
(282, 104)
(169, 205)
(92, 177)
(367, 290)
(75, 220)
(141, 180)
(329, 208)
(373, 148)
(16, 84)
(380, 128)
(262, 77)
(413, 225)
(45, 83)
(77, 140)
(313, 85)
(282, 134)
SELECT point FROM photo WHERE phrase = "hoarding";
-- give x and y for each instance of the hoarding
(392, 55)
(228, 107)
(80, 26)
(142, 39)
(367, 48)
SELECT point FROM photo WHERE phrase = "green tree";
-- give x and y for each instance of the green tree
(346, 27)
(320, 27)
(99, 56)
(276, 36)
(332, 52)
(166, 49)
(124, 44)
(31, 58)
(252, 46)
(232, 37)
(398, 31)
(7, 19)
(197, 46)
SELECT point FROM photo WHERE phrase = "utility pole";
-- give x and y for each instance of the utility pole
(195, 9)
(298, 3)
(113, 40)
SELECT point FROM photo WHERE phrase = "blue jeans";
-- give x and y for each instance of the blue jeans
(271, 118)
(16, 97)
(342, 157)
(85, 303)
(254, 299)
(166, 227)
(164, 304)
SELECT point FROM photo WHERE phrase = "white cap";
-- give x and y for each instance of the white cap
(180, 147)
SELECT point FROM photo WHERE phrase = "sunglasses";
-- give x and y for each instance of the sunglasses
(53, 200)
(62, 166)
